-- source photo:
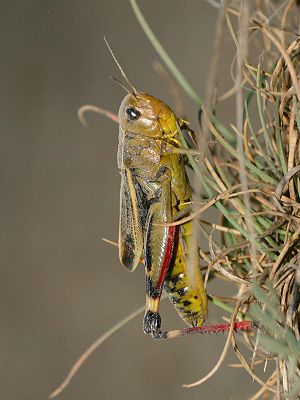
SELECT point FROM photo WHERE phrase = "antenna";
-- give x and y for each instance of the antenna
(123, 86)
(119, 66)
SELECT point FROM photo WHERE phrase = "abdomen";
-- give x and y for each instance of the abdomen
(189, 298)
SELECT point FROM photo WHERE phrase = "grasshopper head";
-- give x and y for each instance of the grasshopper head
(143, 114)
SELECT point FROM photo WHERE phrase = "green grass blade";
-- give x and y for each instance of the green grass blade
(269, 146)
(164, 55)
(279, 139)
(261, 174)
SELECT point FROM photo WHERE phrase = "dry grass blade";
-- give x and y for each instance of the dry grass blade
(224, 352)
(92, 348)
(88, 107)
(248, 369)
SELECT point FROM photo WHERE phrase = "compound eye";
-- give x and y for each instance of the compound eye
(132, 114)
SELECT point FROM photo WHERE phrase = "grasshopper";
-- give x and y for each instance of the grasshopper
(155, 189)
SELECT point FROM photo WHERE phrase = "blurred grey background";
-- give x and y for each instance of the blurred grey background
(61, 285)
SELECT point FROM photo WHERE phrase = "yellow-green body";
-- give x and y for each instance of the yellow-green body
(154, 188)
